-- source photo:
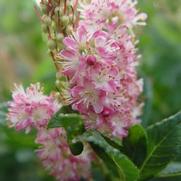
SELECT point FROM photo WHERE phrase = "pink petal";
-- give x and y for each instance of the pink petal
(23, 124)
(100, 33)
(70, 43)
(75, 91)
(67, 54)
(82, 34)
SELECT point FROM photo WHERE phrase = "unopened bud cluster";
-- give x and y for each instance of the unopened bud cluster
(57, 19)
(63, 87)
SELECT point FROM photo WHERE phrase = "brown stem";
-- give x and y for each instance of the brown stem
(65, 6)
(52, 55)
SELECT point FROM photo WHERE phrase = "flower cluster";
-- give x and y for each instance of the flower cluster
(57, 158)
(96, 75)
(100, 61)
(31, 108)
(111, 15)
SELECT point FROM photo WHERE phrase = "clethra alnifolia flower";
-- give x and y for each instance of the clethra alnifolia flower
(100, 59)
(31, 108)
(93, 46)
(111, 15)
(56, 157)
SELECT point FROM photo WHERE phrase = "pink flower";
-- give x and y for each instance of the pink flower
(104, 78)
(57, 159)
(110, 15)
(88, 96)
(75, 46)
(31, 108)
(100, 62)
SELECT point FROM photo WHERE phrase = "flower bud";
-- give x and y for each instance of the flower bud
(53, 26)
(58, 11)
(65, 20)
(57, 83)
(91, 60)
(47, 20)
(58, 75)
(57, 95)
(69, 7)
(59, 37)
(51, 44)
(60, 45)
(71, 17)
(43, 8)
(69, 29)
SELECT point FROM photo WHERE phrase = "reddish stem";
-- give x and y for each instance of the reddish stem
(76, 4)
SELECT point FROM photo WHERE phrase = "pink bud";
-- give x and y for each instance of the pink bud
(106, 112)
(91, 60)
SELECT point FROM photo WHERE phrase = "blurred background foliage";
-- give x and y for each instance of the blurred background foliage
(24, 58)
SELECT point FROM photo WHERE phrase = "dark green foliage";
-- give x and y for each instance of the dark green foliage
(172, 170)
(151, 149)
(118, 163)
(73, 125)
(164, 143)
(24, 58)
(135, 145)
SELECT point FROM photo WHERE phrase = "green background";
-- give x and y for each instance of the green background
(24, 58)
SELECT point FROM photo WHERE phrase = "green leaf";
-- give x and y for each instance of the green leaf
(117, 162)
(172, 170)
(67, 110)
(135, 145)
(114, 141)
(73, 125)
(164, 141)
(98, 173)
(71, 122)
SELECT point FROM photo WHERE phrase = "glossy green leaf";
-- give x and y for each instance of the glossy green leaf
(164, 144)
(71, 122)
(135, 145)
(73, 125)
(113, 141)
(67, 110)
(172, 170)
(117, 162)
(98, 172)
